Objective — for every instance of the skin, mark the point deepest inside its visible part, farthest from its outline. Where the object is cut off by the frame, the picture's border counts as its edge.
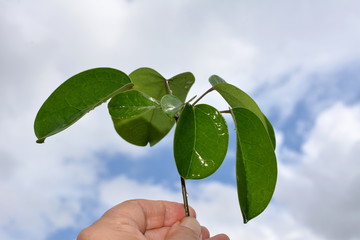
(147, 220)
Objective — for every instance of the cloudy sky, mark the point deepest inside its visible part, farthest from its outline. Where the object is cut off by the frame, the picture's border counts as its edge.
(300, 60)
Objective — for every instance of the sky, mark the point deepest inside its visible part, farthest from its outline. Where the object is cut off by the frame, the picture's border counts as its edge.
(300, 60)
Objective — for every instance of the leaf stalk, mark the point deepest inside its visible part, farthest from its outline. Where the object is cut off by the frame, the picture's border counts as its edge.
(225, 111)
(208, 91)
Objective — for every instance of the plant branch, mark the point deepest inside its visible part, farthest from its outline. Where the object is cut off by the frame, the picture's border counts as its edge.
(184, 193)
(208, 91)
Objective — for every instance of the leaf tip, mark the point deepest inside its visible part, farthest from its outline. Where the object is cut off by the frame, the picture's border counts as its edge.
(40, 140)
(215, 79)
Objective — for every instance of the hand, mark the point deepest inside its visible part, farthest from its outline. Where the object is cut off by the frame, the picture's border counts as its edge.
(147, 220)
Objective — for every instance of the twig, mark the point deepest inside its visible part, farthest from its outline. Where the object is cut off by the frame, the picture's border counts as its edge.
(184, 193)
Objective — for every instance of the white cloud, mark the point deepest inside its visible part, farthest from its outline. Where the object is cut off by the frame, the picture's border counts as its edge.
(321, 189)
(122, 188)
(218, 209)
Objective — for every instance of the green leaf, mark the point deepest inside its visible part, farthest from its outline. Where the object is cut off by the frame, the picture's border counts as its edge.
(181, 84)
(238, 98)
(150, 82)
(152, 126)
(153, 84)
(149, 127)
(171, 105)
(77, 96)
(256, 169)
(130, 104)
(200, 141)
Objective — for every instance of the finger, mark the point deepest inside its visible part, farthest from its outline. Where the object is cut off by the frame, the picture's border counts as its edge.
(220, 237)
(205, 233)
(189, 229)
(160, 233)
(147, 214)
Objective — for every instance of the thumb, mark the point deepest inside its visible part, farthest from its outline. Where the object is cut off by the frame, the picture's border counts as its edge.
(189, 229)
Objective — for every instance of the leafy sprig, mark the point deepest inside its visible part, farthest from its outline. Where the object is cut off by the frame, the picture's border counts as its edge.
(144, 106)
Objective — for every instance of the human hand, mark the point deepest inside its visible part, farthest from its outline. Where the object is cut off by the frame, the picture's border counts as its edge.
(147, 220)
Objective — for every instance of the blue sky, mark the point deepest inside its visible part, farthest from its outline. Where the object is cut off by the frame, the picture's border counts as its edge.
(300, 60)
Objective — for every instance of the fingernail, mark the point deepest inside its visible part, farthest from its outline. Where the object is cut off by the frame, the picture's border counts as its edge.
(191, 223)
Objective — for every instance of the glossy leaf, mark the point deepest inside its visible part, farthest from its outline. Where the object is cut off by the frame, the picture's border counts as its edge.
(256, 169)
(238, 98)
(200, 141)
(171, 105)
(77, 96)
(152, 126)
(130, 104)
